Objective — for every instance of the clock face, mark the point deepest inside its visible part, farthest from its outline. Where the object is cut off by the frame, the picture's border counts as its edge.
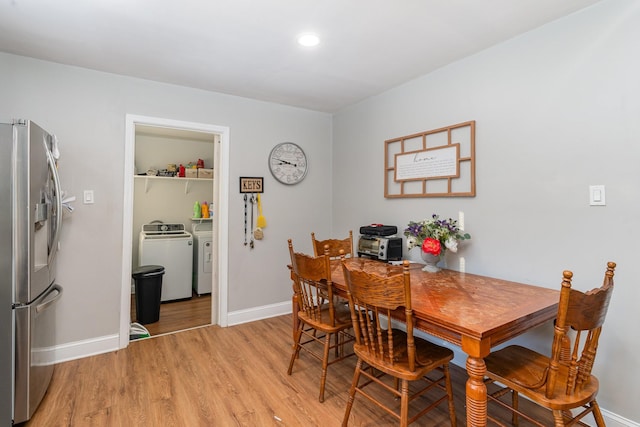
(288, 163)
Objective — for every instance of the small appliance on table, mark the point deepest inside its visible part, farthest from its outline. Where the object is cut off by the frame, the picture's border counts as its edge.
(378, 241)
(170, 246)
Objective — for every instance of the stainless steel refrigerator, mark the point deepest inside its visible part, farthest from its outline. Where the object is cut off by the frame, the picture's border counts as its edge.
(30, 225)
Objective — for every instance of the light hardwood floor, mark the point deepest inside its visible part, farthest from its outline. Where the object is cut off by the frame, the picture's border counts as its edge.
(179, 315)
(212, 376)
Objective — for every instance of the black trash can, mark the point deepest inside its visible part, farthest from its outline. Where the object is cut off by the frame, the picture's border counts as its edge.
(148, 288)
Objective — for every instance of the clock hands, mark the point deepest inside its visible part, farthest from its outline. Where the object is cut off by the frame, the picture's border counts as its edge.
(284, 162)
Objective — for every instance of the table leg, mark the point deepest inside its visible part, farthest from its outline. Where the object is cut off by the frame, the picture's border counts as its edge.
(476, 392)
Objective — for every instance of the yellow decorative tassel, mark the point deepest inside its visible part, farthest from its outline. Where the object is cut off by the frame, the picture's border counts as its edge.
(261, 222)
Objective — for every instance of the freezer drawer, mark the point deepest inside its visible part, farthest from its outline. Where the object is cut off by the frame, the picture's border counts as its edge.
(34, 337)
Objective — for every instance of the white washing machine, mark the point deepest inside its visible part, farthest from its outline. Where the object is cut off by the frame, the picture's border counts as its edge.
(170, 246)
(203, 257)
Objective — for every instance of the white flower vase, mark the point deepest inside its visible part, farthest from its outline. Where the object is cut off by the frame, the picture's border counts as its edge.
(431, 262)
(414, 255)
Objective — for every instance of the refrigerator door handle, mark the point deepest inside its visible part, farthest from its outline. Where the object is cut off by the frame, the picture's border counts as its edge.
(58, 201)
(55, 288)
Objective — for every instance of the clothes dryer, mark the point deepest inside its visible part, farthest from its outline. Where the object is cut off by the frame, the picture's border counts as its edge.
(203, 257)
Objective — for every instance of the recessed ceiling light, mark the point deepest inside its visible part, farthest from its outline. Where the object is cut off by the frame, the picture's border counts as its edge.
(308, 39)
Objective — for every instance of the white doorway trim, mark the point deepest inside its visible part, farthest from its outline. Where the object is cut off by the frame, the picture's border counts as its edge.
(222, 213)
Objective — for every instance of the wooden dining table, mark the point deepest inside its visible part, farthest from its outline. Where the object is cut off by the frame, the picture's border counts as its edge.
(471, 311)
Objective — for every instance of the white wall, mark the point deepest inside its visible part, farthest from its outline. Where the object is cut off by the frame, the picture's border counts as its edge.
(556, 111)
(87, 110)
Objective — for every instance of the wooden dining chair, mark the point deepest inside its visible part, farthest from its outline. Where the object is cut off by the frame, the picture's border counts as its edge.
(386, 355)
(320, 315)
(335, 246)
(562, 382)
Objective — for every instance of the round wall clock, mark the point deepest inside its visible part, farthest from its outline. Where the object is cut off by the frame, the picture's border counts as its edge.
(288, 163)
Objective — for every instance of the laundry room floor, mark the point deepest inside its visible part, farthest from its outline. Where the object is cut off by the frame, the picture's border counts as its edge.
(179, 315)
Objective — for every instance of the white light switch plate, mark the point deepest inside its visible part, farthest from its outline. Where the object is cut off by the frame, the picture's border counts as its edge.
(596, 195)
(88, 197)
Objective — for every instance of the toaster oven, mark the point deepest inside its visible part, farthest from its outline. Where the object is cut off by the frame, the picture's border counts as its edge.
(382, 248)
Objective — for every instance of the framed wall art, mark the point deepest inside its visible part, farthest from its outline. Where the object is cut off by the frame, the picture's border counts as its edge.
(434, 163)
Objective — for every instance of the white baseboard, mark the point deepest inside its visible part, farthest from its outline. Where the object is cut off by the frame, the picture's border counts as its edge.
(258, 313)
(615, 420)
(86, 348)
(107, 343)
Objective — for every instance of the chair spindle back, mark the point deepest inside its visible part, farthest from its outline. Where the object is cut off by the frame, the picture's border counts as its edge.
(373, 296)
(335, 246)
(313, 286)
(584, 313)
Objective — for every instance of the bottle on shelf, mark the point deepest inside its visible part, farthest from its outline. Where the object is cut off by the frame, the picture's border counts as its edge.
(197, 210)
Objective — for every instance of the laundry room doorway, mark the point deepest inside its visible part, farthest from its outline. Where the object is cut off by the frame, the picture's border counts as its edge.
(161, 204)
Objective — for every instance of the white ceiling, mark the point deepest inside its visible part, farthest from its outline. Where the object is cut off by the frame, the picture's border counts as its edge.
(248, 47)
